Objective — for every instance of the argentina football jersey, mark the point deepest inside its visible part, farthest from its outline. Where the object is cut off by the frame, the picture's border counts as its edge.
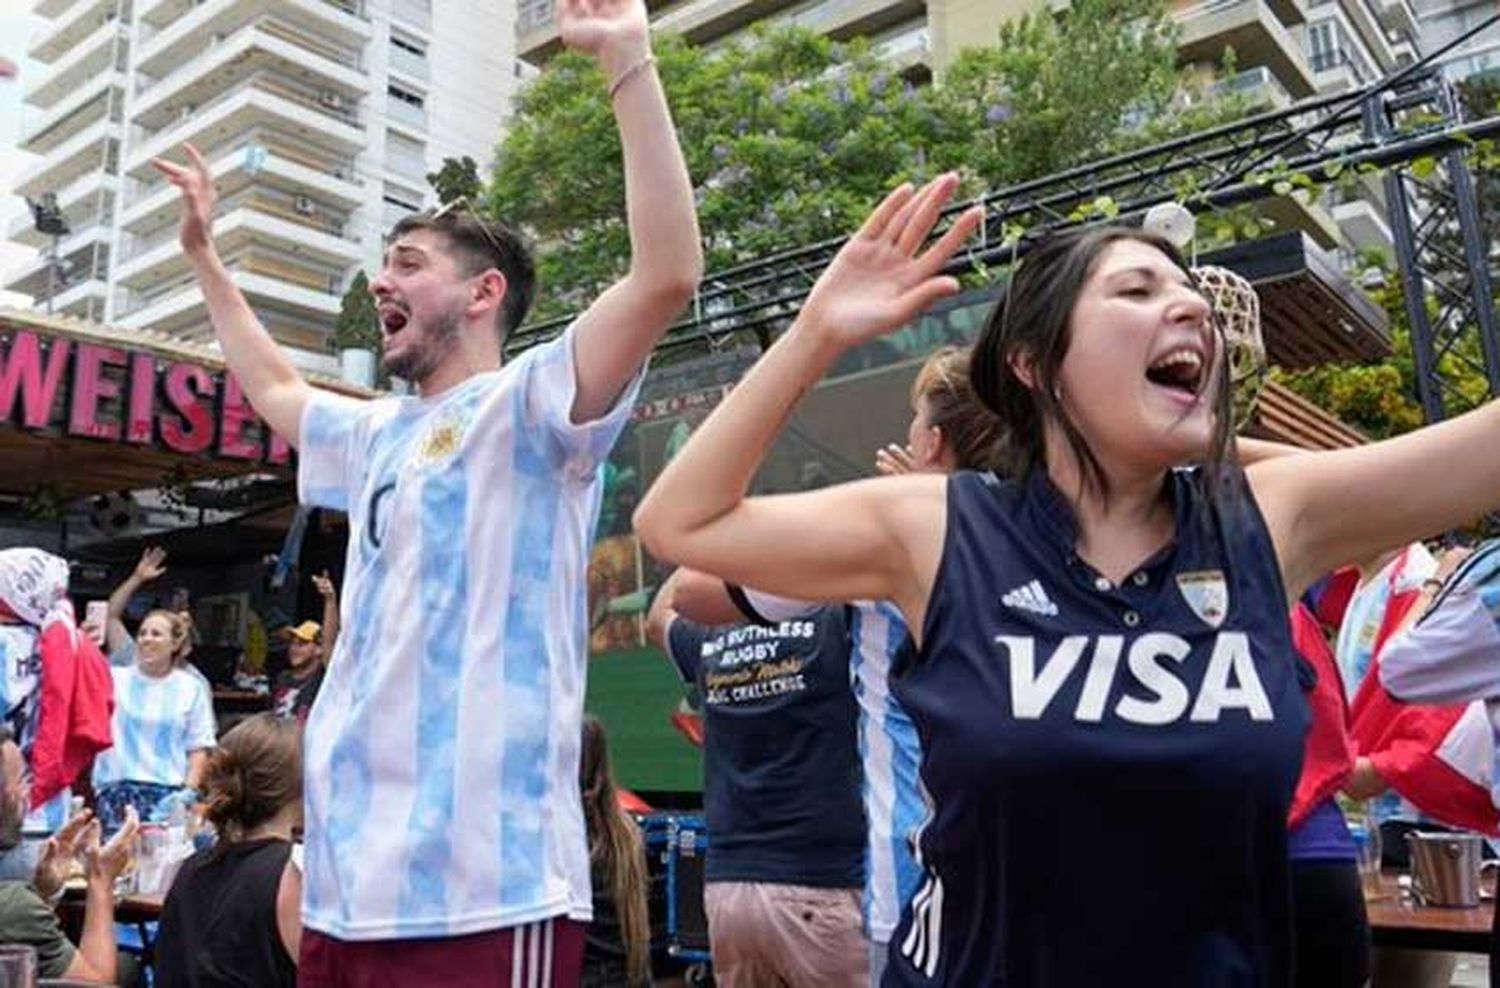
(156, 722)
(1108, 766)
(441, 759)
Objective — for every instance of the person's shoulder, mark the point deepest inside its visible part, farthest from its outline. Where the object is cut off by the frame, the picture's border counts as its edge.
(188, 683)
(188, 673)
(18, 899)
(980, 483)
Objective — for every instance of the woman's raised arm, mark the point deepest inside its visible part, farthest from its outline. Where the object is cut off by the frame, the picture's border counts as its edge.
(852, 541)
(1343, 506)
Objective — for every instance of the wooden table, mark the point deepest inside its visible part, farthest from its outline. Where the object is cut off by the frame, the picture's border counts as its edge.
(1397, 921)
(136, 908)
(141, 908)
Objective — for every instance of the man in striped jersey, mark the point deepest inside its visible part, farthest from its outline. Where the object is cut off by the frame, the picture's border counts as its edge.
(445, 833)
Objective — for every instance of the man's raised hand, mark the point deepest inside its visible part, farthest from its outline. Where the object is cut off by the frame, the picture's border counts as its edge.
(198, 197)
(616, 32)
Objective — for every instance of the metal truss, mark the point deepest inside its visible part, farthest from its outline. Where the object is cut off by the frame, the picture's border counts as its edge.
(1444, 260)
(1408, 118)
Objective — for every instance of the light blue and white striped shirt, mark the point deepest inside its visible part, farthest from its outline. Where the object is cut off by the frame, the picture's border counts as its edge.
(441, 759)
(158, 720)
(889, 750)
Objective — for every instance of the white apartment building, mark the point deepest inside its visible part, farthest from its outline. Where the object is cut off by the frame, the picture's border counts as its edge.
(319, 118)
(1443, 21)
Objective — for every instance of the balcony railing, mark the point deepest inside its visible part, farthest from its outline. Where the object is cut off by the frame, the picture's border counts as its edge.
(261, 201)
(269, 85)
(138, 190)
(408, 62)
(1259, 81)
(533, 14)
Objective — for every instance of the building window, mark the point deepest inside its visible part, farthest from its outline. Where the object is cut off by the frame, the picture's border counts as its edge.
(406, 157)
(533, 14)
(403, 95)
(407, 46)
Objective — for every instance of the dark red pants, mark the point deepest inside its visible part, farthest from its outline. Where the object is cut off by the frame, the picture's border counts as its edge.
(548, 954)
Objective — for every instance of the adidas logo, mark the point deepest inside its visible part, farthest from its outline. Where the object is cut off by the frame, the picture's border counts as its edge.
(1031, 597)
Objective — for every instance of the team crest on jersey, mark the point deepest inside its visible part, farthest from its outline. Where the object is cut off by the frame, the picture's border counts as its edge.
(442, 441)
(1207, 593)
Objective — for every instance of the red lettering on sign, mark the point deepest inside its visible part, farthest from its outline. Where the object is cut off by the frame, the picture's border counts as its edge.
(191, 430)
(236, 413)
(23, 372)
(90, 384)
(281, 450)
(140, 417)
(112, 394)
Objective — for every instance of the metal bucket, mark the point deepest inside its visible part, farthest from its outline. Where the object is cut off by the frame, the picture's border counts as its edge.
(1445, 868)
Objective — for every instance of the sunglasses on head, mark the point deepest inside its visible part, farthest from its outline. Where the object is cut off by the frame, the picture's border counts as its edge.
(461, 207)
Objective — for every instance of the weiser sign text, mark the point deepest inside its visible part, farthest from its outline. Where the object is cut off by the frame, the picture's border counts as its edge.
(58, 385)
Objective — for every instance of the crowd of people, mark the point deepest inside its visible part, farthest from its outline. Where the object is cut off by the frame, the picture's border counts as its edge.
(1066, 696)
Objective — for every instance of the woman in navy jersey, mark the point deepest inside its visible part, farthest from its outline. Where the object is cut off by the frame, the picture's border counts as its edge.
(1104, 682)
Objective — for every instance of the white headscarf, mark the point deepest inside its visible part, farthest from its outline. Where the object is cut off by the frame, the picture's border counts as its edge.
(34, 585)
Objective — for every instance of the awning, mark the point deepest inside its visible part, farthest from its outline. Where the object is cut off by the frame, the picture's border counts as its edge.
(86, 409)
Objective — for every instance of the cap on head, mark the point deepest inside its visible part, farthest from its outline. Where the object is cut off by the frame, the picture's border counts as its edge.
(307, 631)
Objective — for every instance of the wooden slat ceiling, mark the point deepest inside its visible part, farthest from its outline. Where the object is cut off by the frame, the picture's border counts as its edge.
(83, 467)
(1287, 417)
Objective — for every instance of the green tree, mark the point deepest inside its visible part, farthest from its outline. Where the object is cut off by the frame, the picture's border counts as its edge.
(458, 178)
(1055, 90)
(790, 137)
(357, 326)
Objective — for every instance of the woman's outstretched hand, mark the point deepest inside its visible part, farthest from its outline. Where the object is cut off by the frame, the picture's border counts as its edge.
(881, 279)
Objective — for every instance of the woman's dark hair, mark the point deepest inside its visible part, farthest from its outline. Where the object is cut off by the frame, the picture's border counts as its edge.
(1032, 321)
(256, 770)
(616, 850)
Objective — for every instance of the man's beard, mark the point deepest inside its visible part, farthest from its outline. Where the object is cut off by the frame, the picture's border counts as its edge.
(422, 355)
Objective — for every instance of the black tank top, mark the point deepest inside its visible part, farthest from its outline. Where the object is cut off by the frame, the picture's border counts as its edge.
(218, 925)
(1108, 767)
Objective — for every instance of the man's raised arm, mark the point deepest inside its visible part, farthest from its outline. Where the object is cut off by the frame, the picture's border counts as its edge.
(616, 335)
(275, 389)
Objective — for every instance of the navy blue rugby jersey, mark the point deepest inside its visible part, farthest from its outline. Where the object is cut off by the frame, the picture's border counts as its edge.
(781, 775)
(1108, 768)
